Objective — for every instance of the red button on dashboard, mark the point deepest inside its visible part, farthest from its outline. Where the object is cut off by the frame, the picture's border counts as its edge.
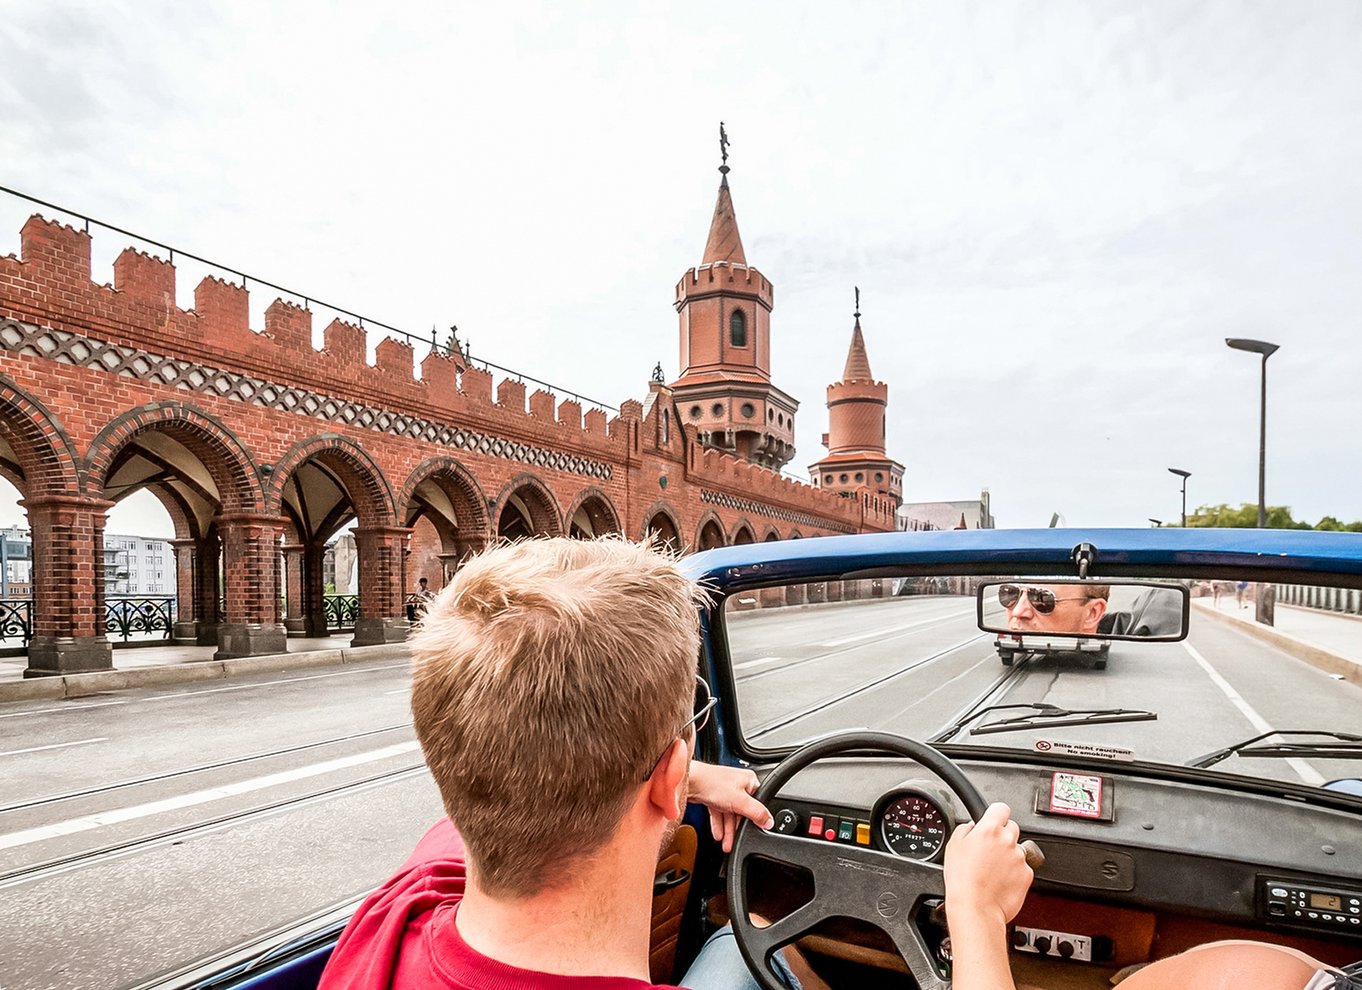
(816, 825)
(830, 834)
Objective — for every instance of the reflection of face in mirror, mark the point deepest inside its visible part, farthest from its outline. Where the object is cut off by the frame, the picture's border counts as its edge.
(1065, 608)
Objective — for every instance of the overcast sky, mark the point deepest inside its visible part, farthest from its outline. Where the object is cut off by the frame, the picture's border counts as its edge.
(1056, 211)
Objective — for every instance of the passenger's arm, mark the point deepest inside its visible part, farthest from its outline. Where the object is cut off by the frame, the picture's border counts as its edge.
(727, 793)
(986, 882)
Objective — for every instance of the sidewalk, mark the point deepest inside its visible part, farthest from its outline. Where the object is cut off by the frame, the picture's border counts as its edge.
(1331, 641)
(152, 666)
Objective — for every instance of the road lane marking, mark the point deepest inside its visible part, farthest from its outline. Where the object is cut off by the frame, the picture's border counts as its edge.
(752, 663)
(894, 629)
(401, 690)
(71, 708)
(115, 816)
(1307, 773)
(39, 749)
(257, 684)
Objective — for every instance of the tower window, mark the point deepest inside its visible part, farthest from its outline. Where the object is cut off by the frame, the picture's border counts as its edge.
(860, 476)
(748, 410)
(718, 409)
(737, 328)
(694, 412)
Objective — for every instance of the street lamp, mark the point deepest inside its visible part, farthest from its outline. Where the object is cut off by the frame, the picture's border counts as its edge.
(1184, 475)
(1266, 350)
(1156, 522)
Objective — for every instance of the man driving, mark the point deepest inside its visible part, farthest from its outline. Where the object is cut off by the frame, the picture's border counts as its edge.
(1061, 608)
(554, 696)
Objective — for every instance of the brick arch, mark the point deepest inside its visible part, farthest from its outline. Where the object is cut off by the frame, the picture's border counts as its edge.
(181, 515)
(472, 532)
(46, 456)
(545, 517)
(772, 535)
(370, 495)
(217, 448)
(796, 534)
(742, 527)
(604, 517)
(715, 525)
(662, 510)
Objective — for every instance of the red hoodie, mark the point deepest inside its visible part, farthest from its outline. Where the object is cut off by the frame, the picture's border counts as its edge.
(404, 937)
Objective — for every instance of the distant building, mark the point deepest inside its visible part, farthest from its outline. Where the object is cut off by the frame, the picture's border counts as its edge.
(340, 565)
(16, 548)
(133, 565)
(138, 565)
(971, 514)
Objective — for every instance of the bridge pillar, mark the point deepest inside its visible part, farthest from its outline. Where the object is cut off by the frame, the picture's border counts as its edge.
(382, 574)
(208, 587)
(314, 589)
(295, 621)
(185, 631)
(250, 546)
(68, 586)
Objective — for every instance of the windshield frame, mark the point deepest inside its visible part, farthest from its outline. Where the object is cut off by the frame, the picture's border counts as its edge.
(736, 574)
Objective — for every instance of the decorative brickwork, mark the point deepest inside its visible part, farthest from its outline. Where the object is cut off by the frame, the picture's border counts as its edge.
(263, 448)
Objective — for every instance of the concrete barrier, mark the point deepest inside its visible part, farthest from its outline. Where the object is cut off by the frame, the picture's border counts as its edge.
(1315, 656)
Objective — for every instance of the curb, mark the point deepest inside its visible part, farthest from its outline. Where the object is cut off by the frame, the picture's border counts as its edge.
(190, 671)
(1315, 656)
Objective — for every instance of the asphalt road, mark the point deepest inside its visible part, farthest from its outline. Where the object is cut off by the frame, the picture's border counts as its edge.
(141, 830)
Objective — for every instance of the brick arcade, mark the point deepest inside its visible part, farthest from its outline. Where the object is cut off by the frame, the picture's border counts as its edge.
(261, 448)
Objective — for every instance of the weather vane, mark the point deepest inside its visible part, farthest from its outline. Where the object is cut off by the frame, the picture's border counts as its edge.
(857, 314)
(658, 376)
(723, 147)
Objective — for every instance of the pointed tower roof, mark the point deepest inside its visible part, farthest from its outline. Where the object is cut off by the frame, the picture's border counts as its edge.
(724, 244)
(858, 364)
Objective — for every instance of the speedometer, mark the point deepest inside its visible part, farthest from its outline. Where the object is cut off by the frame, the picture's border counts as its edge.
(913, 827)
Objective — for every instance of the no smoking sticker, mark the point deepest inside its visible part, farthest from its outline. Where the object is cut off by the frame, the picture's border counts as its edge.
(1076, 794)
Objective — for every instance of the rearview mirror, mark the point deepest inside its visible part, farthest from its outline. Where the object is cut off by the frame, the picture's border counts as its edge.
(1085, 609)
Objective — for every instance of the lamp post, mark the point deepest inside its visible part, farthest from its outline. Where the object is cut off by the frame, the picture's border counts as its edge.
(1266, 350)
(1184, 475)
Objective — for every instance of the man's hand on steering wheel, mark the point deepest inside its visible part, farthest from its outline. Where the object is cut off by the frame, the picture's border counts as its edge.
(727, 793)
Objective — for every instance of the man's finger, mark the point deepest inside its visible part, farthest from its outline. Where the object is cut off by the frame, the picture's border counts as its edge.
(750, 807)
(716, 825)
(730, 826)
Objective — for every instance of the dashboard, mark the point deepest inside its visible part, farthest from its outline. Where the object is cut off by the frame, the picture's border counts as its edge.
(1115, 841)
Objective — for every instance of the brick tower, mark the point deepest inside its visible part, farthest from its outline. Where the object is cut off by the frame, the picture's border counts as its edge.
(724, 395)
(856, 460)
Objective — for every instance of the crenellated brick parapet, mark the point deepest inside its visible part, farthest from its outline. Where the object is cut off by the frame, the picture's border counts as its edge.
(245, 424)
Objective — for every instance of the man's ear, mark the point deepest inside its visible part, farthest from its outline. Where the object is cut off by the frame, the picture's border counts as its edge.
(666, 787)
(1095, 608)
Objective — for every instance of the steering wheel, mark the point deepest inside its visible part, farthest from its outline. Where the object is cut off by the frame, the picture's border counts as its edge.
(849, 881)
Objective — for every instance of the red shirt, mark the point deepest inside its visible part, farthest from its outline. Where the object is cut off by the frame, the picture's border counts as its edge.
(403, 936)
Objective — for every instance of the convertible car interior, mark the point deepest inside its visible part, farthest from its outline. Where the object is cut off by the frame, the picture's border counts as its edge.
(1202, 785)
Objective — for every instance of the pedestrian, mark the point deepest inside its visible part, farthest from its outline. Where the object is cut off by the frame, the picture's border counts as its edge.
(419, 600)
(1239, 588)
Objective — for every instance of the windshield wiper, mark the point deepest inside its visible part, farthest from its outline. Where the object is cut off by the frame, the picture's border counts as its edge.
(1042, 716)
(1341, 746)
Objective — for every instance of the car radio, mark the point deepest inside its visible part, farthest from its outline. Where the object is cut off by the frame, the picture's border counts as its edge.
(1327, 907)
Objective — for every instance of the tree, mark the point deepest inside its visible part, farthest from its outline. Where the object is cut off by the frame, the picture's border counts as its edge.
(1245, 516)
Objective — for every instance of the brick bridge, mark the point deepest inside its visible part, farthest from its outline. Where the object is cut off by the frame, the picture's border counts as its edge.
(261, 448)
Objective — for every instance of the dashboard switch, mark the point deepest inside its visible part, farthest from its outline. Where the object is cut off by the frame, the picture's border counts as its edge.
(816, 825)
(1042, 944)
(863, 836)
(787, 821)
(846, 831)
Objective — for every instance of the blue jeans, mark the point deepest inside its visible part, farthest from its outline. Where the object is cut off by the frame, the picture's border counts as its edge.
(720, 966)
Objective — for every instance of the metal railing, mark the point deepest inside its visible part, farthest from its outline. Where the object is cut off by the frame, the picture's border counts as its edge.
(341, 611)
(16, 620)
(308, 300)
(1345, 600)
(141, 618)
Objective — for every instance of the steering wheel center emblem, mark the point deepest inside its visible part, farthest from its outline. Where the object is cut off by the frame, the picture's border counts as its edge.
(887, 904)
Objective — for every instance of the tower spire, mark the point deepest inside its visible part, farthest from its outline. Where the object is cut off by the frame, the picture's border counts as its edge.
(725, 243)
(857, 368)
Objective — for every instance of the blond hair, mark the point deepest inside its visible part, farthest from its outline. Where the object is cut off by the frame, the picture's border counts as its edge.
(548, 678)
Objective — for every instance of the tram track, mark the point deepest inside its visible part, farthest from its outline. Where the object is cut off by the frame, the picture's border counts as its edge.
(909, 630)
(201, 768)
(826, 703)
(90, 857)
